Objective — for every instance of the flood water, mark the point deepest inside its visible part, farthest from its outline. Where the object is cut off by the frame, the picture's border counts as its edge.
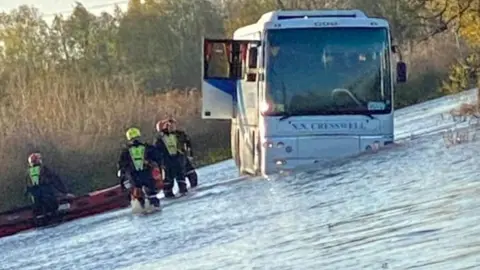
(413, 206)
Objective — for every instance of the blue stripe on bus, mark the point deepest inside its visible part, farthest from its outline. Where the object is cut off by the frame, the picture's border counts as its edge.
(234, 89)
(227, 86)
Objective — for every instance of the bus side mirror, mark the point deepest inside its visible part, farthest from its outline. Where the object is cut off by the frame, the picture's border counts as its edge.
(401, 72)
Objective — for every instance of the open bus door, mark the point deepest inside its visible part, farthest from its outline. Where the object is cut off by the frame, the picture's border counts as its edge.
(224, 63)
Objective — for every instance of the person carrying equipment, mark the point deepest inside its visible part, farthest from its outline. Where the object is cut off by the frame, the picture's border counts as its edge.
(140, 164)
(44, 186)
(186, 150)
(168, 144)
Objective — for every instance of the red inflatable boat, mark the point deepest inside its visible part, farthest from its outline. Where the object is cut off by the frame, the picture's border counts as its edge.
(21, 219)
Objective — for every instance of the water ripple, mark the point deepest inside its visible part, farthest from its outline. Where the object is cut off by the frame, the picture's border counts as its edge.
(412, 206)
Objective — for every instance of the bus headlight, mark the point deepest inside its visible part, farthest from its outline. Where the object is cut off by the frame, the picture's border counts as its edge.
(267, 144)
(280, 144)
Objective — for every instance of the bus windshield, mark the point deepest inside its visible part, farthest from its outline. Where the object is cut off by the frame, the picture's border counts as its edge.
(316, 71)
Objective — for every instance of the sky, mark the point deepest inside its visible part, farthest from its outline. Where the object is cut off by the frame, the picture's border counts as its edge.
(49, 7)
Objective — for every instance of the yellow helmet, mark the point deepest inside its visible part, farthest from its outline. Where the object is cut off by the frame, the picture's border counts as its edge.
(133, 133)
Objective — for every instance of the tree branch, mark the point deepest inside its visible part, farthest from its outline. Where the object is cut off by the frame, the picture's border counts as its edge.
(443, 25)
(280, 4)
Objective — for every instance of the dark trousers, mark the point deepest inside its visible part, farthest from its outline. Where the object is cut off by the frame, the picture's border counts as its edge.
(145, 180)
(175, 170)
(44, 199)
(191, 174)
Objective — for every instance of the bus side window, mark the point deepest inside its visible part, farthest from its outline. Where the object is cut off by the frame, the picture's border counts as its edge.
(251, 63)
(252, 57)
(223, 59)
(216, 60)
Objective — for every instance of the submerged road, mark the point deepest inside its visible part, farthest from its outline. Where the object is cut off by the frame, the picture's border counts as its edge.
(414, 206)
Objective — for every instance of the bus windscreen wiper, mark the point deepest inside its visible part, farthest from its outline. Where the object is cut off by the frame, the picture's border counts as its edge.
(369, 115)
(365, 113)
(359, 112)
(285, 116)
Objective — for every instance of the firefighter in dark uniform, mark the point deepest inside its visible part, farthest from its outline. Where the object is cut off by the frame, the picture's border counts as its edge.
(140, 164)
(186, 149)
(44, 186)
(167, 142)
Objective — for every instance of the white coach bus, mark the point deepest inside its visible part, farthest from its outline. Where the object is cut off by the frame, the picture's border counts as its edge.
(302, 87)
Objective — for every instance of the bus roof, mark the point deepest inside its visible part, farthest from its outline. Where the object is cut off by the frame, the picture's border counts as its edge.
(281, 15)
(285, 15)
